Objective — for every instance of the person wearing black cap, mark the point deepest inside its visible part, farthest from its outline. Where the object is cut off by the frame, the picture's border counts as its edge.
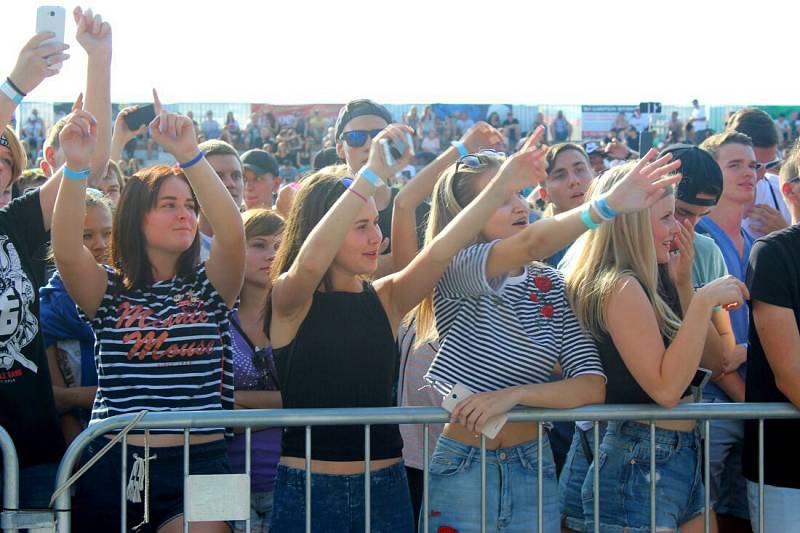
(260, 170)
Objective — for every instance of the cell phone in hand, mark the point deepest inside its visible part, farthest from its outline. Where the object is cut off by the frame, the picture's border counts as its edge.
(143, 115)
(394, 150)
(51, 18)
(460, 392)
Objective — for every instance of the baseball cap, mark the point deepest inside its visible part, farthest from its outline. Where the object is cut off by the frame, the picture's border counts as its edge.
(359, 108)
(701, 174)
(590, 147)
(324, 158)
(260, 162)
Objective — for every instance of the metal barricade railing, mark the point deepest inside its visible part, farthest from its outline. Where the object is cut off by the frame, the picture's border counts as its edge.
(414, 415)
(10, 482)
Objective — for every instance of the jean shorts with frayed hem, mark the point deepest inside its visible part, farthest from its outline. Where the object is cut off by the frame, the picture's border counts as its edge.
(624, 466)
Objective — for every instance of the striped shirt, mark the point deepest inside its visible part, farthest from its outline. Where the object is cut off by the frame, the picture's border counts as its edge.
(162, 348)
(505, 331)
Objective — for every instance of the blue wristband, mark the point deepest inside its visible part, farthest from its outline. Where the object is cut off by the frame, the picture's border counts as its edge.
(76, 174)
(462, 150)
(371, 177)
(605, 209)
(12, 93)
(587, 219)
(192, 161)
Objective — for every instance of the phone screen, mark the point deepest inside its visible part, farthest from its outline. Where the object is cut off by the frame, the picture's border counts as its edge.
(143, 115)
(645, 142)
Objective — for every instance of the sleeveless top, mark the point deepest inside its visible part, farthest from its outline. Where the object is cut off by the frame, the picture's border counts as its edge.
(344, 355)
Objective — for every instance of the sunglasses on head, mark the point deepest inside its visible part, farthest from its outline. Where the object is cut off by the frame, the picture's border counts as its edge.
(479, 159)
(357, 138)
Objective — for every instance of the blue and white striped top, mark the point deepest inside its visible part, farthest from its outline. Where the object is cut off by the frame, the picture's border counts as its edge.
(163, 348)
(506, 331)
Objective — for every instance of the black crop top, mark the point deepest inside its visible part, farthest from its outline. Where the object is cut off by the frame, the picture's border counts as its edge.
(621, 386)
(344, 355)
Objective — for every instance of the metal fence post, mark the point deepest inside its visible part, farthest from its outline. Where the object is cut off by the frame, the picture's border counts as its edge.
(540, 481)
(425, 479)
(10, 476)
(652, 475)
(483, 483)
(367, 487)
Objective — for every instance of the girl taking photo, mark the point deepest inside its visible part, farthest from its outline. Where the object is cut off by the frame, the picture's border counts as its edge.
(161, 318)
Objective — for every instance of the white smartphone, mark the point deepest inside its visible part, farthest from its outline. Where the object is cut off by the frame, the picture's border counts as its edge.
(460, 392)
(51, 18)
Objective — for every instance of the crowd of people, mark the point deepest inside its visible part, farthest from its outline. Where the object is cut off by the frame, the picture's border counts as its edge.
(531, 273)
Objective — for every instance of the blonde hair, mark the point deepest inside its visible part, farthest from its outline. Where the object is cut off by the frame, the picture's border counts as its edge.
(790, 168)
(619, 248)
(455, 189)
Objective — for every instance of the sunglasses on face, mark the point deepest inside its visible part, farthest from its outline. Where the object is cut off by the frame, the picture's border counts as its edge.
(357, 138)
(793, 180)
(769, 165)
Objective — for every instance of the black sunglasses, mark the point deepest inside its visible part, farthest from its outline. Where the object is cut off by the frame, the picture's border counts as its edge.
(357, 138)
(479, 159)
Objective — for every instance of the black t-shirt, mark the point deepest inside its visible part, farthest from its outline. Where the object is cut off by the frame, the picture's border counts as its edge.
(512, 133)
(773, 277)
(385, 220)
(27, 410)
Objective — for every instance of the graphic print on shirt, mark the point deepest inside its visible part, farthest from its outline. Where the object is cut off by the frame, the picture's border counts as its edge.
(18, 325)
(150, 345)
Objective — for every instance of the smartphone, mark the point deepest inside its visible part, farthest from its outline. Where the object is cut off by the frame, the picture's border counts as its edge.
(701, 378)
(51, 18)
(645, 142)
(143, 115)
(392, 151)
(460, 392)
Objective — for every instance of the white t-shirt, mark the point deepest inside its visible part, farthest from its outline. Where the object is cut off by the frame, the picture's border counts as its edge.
(768, 192)
(431, 145)
(640, 123)
(700, 123)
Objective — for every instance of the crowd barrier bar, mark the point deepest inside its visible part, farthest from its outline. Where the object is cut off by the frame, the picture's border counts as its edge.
(10, 482)
(410, 415)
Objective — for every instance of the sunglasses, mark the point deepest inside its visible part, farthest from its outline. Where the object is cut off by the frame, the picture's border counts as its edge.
(793, 180)
(357, 138)
(479, 159)
(769, 165)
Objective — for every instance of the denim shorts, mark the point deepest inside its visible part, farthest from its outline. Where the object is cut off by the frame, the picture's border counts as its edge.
(337, 502)
(260, 513)
(97, 499)
(512, 489)
(624, 464)
(573, 474)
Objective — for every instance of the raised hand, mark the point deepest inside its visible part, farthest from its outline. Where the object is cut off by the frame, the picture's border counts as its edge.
(78, 137)
(93, 34)
(399, 133)
(644, 185)
(526, 168)
(173, 132)
(481, 135)
(766, 219)
(122, 132)
(37, 61)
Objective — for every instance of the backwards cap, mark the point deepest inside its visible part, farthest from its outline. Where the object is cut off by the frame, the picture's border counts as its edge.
(701, 174)
(359, 108)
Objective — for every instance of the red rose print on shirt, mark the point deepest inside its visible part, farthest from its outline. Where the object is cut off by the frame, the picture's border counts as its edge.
(543, 283)
(533, 297)
(547, 310)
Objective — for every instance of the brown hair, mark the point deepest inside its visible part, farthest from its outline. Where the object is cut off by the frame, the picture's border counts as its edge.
(261, 222)
(128, 245)
(715, 142)
(20, 158)
(114, 168)
(756, 124)
(217, 147)
(557, 149)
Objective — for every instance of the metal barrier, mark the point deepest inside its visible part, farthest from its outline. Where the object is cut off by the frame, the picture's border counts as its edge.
(395, 415)
(10, 482)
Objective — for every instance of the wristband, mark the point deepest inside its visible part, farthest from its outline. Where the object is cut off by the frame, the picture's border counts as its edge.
(462, 150)
(76, 174)
(371, 177)
(716, 309)
(604, 209)
(586, 217)
(14, 86)
(11, 93)
(196, 159)
(356, 193)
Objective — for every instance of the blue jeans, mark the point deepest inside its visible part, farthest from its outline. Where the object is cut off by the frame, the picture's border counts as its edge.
(260, 513)
(728, 489)
(624, 466)
(570, 484)
(511, 488)
(781, 507)
(337, 502)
